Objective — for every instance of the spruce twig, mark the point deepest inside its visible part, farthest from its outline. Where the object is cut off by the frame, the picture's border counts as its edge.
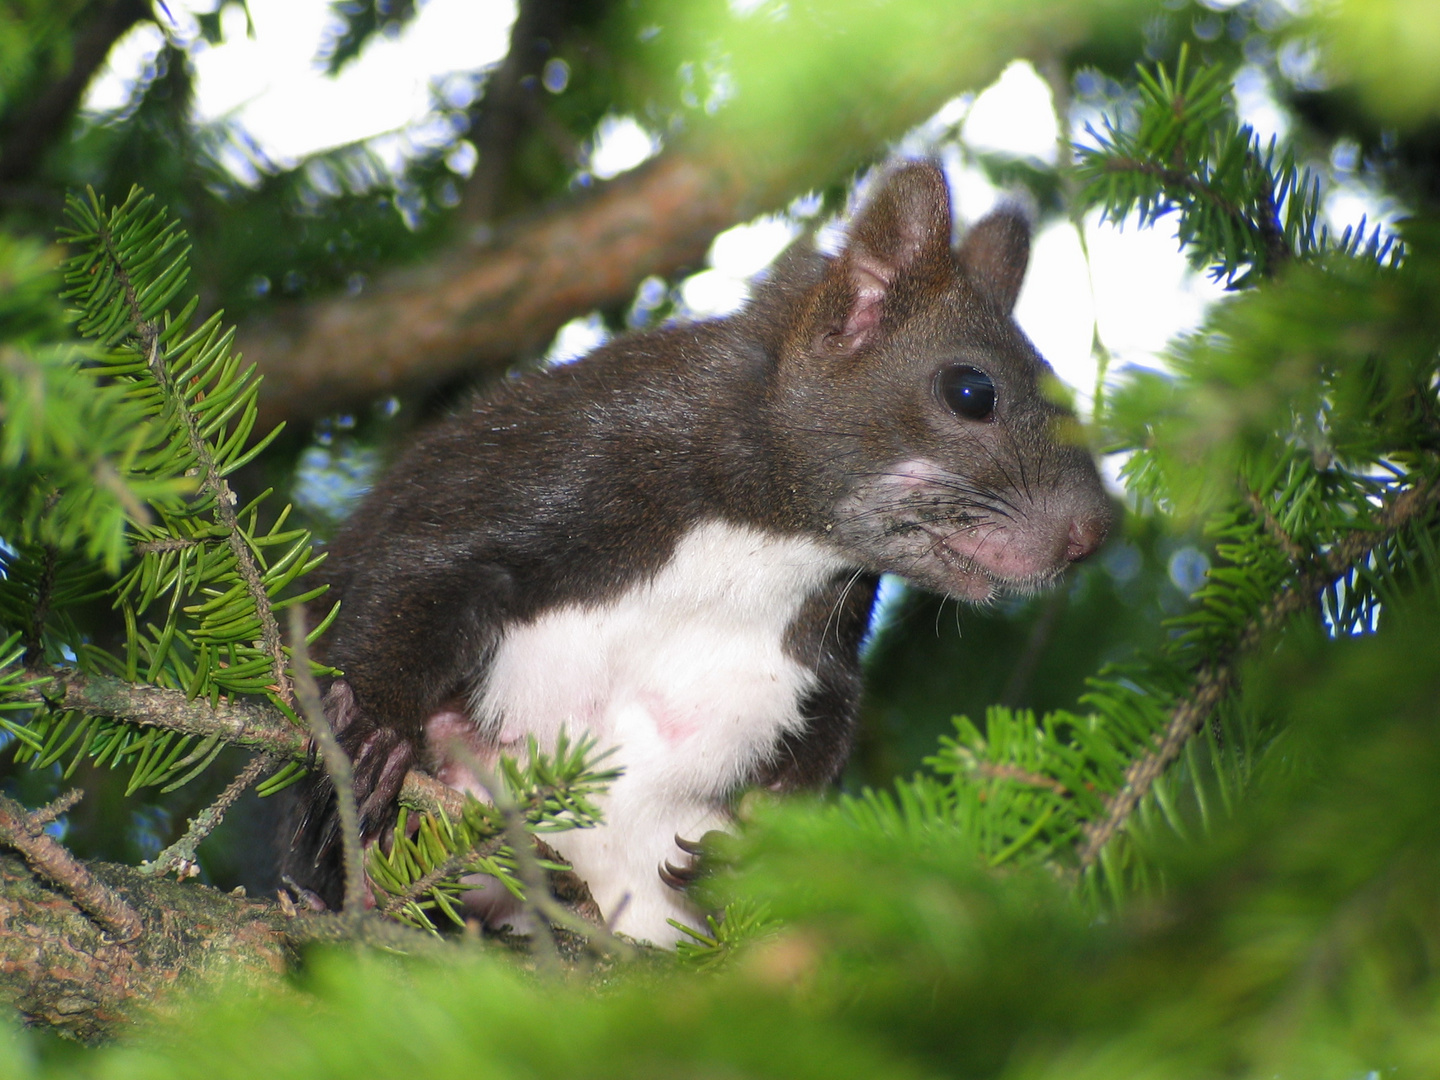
(180, 856)
(1283, 540)
(1215, 680)
(545, 911)
(254, 724)
(56, 808)
(240, 723)
(148, 332)
(532, 878)
(442, 872)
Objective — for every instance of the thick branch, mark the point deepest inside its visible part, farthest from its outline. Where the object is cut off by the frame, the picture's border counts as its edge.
(241, 723)
(60, 970)
(1215, 680)
(476, 308)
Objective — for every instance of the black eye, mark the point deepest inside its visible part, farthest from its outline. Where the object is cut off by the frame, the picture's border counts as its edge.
(966, 391)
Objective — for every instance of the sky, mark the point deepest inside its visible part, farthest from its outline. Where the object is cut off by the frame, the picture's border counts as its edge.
(1134, 292)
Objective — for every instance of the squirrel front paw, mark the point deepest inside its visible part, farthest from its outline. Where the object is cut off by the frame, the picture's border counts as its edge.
(705, 857)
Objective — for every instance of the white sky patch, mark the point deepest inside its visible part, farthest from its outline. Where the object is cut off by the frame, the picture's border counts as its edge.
(620, 145)
(1255, 104)
(736, 255)
(1015, 115)
(972, 195)
(1351, 202)
(710, 293)
(1137, 285)
(273, 85)
(576, 338)
(1056, 311)
(109, 91)
(747, 249)
(1145, 292)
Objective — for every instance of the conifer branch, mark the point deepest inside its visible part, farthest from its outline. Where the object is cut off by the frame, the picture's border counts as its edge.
(451, 868)
(1214, 681)
(49, 858)
(1276, 531)
(148, 332)
(240, 723)
(160, 547)
(253, 724)
(180, 856)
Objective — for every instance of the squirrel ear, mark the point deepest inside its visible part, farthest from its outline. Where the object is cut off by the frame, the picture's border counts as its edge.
(904, 224)
(994, 255)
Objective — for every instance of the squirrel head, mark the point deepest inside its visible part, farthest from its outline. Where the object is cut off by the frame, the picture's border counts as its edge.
(928, 427)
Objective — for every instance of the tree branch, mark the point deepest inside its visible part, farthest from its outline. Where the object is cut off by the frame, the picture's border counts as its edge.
(254, 724)
(1216, 679)
(50, 859)
(180, 856)
(476, 308)
(337, 766)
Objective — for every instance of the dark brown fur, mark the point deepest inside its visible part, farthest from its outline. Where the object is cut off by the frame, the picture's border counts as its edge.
(570, 485)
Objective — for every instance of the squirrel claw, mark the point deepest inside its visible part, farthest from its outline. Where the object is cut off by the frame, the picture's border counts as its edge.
(679, 878)
(690, 847)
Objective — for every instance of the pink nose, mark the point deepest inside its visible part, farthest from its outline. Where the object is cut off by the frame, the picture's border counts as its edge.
(1086, 534)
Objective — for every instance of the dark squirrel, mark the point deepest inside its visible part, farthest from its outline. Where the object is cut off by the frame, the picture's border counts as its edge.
(674, 542)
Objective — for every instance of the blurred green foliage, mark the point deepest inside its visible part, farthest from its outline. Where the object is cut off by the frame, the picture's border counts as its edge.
(1300, 940)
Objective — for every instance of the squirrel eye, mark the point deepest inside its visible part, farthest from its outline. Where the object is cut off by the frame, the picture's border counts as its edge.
(966, 391)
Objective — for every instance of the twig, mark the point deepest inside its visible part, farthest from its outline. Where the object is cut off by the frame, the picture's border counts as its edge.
(54, 809)
(545, 909)
(44, 590)
(537, 889)
(1275, 249)
(1276, 531)
(254, 724)
(160, 547)
(241, 723)
(1021, 776)
(345, 928)
(49, 858)
(148, 331)
(425, 793)
(337, 765)
(180, 856)
(1214, 680)
(446, 870)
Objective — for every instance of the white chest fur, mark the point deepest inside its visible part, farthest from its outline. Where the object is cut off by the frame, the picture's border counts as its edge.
(686, 676)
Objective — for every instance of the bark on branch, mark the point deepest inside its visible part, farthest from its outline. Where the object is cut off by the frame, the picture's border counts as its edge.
(476, 307)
